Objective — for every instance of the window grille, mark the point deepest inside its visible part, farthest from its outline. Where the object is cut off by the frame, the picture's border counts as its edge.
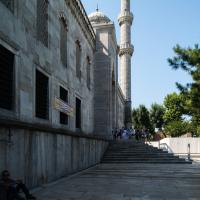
(42, 21)
(42, 95)
(88, 72)
(64, 97)
(6, 78)
(9, 4)
(63, 42)
(78, 59)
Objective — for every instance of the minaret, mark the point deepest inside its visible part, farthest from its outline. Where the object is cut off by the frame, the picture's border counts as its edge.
(126, 51)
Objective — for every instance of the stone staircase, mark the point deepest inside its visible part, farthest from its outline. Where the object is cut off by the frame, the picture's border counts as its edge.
(128, 171)
(138, 152)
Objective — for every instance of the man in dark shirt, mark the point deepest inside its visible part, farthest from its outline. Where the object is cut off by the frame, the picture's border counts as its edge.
(9, 189)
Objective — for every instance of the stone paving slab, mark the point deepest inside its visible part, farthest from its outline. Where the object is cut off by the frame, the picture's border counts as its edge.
(116, 182)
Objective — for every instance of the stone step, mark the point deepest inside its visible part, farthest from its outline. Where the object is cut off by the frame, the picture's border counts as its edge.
(130, 152)
(141, 173)
(136, 153)
(147, 162)
(132, 147)
(139, 147)
(143, 156)
(136, 150)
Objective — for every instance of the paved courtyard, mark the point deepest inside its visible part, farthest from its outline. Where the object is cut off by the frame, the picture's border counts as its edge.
(128, 182)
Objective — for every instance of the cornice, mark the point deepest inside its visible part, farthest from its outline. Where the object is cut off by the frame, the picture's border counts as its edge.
(51, 129)
(80, 14)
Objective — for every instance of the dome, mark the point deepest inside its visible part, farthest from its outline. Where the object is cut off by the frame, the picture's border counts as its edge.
(98, 17)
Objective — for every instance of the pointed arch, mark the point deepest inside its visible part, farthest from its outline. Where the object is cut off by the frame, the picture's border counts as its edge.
(63, 38)
(78, 58)
(63, 20)
(88, 71)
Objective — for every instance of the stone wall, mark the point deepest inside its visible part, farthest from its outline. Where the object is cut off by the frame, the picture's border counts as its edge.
(18, 34)
(42, 156)
(109, 107)
(120, 108)
(179, 146)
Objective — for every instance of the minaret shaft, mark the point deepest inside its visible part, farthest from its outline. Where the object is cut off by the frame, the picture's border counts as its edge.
(126, 50)
(125, 5)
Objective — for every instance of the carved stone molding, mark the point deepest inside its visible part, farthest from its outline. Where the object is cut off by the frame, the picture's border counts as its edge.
(63, 18)
(79, 13)
(124, 17)
(126, 49)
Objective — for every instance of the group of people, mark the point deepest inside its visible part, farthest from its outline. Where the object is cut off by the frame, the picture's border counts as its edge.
(142, 135)
(137, 134)
(122, 133)
(10, 189)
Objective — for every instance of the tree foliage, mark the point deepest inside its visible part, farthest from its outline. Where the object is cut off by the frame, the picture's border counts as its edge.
(178, 128)
(141, 118)
(175, 105)
(187, 102)
(188, 59)
(157, 115)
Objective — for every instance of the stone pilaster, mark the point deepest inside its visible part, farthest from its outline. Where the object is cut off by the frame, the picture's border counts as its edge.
(126, 51)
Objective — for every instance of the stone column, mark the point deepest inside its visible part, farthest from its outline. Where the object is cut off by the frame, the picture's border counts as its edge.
(126, 51)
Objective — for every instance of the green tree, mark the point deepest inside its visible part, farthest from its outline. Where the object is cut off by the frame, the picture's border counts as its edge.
(188, 59)
(178, 128)
(198, 131)
(174, 107)
(141, 118)
(156, 115)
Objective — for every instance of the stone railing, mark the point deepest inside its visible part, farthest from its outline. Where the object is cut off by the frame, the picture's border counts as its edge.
(183, 147)
(126, 48)
(125, 16)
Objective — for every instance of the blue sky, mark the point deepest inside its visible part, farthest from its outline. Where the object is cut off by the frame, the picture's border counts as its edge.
(158, 26)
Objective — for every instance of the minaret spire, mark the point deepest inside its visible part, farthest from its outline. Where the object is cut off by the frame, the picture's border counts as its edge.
(97, 6)
(126, 51)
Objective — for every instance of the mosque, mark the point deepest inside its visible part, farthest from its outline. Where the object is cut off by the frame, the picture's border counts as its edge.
(60, 92)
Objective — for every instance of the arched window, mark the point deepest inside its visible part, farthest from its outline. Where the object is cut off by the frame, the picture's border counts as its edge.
(63, 41)
(42, 21)
(78, 59)
(88, 72)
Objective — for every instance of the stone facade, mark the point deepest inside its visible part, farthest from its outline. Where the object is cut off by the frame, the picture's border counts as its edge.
(64, 99)
(106, 74)
(108, 98)
(18, 34)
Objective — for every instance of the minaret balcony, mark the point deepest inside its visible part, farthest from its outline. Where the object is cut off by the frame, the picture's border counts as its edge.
(126, 48)
(125, 16)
